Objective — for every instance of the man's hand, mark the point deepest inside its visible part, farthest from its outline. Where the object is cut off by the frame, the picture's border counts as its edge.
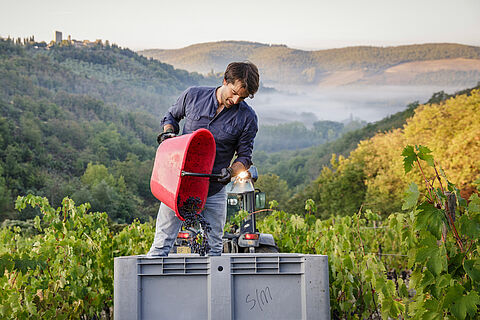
(226, 175)
(168, 133)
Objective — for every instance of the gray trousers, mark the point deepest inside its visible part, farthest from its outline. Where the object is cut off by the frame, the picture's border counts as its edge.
(168, 226)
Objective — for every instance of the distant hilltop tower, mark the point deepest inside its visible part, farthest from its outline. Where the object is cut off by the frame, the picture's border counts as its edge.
(58, 37)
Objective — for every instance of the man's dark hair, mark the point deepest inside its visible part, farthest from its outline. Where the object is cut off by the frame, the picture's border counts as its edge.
(246, 73)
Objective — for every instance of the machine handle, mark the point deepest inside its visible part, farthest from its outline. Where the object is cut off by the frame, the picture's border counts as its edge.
(202, 175)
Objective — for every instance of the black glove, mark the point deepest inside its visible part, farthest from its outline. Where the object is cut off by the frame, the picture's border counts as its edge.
(165, 135)
(226, 175)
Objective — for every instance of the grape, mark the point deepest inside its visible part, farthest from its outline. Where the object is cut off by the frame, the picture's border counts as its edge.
(189, 211)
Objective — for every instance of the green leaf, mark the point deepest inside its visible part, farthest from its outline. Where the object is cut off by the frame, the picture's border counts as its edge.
(412, 253)
(368, 275)
(427, 279)
(471, 302)
(443, 281)
(465, 304)
(37, 223)
(6, 262)
(423, 254)
(372, 216)
(432, 306)
(350, 277)
(20, 203)
(423, 153)
(432, 315)
(453, 294)
(417, 306)
(402, 288)
(437, 262)
(472, 268)
(429, 218)
(409, 158)
(469, 227)
(348, 263)
(474, 205)
(455, 264)
(411, 196)
(431, 255)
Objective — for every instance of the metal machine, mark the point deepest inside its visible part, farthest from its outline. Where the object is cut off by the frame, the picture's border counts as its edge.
(244, 238)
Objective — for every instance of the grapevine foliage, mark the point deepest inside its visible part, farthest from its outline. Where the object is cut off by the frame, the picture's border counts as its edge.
(422, 263)
(66, 271)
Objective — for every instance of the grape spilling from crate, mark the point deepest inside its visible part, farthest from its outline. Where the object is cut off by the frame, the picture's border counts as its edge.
(188, 210)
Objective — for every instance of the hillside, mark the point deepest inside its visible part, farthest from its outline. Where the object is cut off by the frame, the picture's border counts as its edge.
(299, 168)
(372, 174)
(433, 64)
(82, 122)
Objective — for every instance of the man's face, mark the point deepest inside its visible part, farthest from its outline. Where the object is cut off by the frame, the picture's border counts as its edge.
(233, 93)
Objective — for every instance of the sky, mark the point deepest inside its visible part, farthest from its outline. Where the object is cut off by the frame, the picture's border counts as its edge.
(301, 24)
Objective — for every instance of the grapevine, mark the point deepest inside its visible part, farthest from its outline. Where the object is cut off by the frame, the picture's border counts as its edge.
(421, 263)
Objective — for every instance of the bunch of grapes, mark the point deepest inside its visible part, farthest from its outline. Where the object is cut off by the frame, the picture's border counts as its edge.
(188, 210)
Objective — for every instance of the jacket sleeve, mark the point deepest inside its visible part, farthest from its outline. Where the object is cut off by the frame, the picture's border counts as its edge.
(176, 112)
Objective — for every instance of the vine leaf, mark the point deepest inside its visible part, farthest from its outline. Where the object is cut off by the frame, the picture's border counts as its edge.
(6, 262)
(409, 158)
(427, 279)
(411, 196)
(431, 255)
(466, 304)
(474, 205)
(437, 262)
(470, 227)
(424, 154)
(429, 218)
(452, 296)
(472, 268)
(433, 312)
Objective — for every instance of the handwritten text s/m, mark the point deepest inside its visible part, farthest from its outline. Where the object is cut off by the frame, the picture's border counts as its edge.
(261, 298)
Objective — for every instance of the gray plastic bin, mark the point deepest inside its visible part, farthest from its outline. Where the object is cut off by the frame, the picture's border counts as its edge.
(232, 286)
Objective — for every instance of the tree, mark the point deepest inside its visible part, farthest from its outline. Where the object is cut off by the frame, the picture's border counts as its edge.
(274, 187)
(96, 173)
(6, 202)
(340, 190)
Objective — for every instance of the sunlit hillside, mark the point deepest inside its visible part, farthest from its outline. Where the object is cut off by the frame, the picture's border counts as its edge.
(375, 168)
(425, 64)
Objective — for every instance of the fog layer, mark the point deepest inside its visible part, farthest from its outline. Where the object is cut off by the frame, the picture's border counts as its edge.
(309, 104)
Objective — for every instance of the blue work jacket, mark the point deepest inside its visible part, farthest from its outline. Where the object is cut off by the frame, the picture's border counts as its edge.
(234, 128)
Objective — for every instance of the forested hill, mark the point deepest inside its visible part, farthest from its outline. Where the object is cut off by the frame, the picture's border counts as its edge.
(298, 168)
(82, 122)
(367, 170)
(423, 64)
(104, 72)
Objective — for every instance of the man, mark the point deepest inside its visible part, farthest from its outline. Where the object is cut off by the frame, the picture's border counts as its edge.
(233, 124)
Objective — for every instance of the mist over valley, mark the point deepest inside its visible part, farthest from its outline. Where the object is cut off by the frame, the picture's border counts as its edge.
(308, 104)
(364, 83)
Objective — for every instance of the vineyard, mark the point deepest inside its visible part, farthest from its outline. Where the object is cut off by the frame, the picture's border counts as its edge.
(423, 263)
(402, 240)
